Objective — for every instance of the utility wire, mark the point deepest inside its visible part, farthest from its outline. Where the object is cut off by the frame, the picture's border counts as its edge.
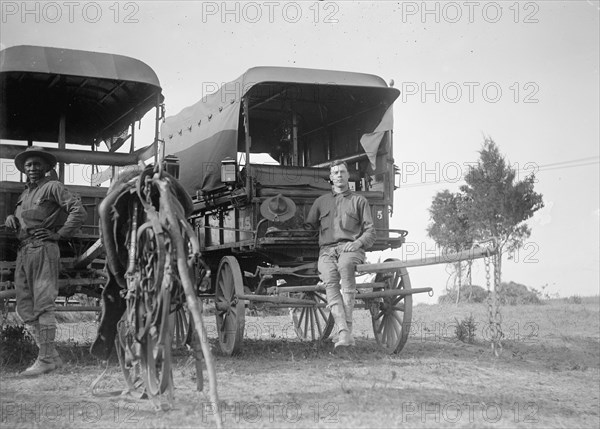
(536, 169)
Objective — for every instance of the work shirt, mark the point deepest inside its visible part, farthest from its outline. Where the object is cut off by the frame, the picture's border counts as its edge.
(342, 217)
(41, 205)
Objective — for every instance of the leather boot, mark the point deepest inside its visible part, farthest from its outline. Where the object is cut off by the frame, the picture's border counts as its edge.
(345, 337)
(336, 304)
(349, 298)
(48, 358)
(34, 330)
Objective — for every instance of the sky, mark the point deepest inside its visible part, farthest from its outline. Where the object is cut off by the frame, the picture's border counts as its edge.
(524, 73)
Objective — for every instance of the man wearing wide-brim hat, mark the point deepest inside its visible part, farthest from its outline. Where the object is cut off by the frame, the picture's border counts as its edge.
(37, 222)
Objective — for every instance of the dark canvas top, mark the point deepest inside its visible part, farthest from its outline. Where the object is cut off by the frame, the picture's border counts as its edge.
(204, 134)
(99, 94)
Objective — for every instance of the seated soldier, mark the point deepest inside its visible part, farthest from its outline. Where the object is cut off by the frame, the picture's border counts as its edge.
(346, 230)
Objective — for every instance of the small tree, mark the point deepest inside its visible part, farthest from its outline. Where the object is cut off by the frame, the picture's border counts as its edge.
(496, 204)
(492, 203)
(450, 228)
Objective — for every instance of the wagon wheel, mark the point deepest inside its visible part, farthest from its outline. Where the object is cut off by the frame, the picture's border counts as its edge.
(156, 352)
(181, 319)
(182, 324)
(153, 305)
(136, 321)
(133, 326)
(391, 316)
(151, 249)
(312, 323)
(150, 263)
(230, 309)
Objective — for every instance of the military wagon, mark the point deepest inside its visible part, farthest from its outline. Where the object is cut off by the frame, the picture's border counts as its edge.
(264, 142)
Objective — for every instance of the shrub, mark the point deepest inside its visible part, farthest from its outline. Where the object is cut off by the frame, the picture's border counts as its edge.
(16, 345)
(509, 294)
(517, 294)
(468, 293)
(465, 329)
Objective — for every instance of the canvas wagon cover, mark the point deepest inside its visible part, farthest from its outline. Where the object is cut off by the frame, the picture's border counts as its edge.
(204, 134)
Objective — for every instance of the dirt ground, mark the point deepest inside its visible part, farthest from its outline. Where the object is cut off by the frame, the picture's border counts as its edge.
(547, 376)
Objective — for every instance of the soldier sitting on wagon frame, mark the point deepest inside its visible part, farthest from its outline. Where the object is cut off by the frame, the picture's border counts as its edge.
(346, 230)
(37, 222)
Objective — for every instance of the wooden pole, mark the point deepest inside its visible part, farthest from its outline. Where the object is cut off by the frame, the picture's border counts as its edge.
(446, 258)
(62, 139)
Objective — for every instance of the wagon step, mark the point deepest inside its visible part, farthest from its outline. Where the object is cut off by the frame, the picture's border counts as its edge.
(430, 260)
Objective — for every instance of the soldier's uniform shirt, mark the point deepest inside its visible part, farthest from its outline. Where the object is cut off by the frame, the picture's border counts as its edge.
(342, 217)
(41, 205)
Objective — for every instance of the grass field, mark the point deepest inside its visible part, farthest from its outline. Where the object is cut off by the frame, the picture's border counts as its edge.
(548, 375)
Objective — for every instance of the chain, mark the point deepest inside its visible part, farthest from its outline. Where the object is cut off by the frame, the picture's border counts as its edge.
(497, 316)
(494, 317)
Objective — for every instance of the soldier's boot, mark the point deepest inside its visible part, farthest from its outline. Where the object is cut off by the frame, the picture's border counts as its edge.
(344, 337)
(335, 333)
(336, 304)
(48, 358)
(349, 298)
(34, 330)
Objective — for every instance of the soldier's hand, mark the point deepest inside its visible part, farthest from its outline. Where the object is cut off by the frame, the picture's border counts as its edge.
(351, 246)
(45, 234)
(12, 222)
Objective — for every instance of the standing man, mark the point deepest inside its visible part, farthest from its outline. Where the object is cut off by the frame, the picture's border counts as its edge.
(345, 231)
(37, 223)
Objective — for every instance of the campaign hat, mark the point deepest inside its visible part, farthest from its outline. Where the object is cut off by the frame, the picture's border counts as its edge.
(34, 151)
(278, 208)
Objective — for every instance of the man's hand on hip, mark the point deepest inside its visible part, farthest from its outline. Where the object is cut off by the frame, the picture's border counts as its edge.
(46, 235)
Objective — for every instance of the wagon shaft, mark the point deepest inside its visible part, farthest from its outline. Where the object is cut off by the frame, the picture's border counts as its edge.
(447, 258)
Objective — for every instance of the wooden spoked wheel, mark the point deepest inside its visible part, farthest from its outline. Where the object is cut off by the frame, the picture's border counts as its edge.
(391, 316)
(182, 324)
(312, 323)
(181, 318)
(156, 355)
(230, 310)
(153, 305)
